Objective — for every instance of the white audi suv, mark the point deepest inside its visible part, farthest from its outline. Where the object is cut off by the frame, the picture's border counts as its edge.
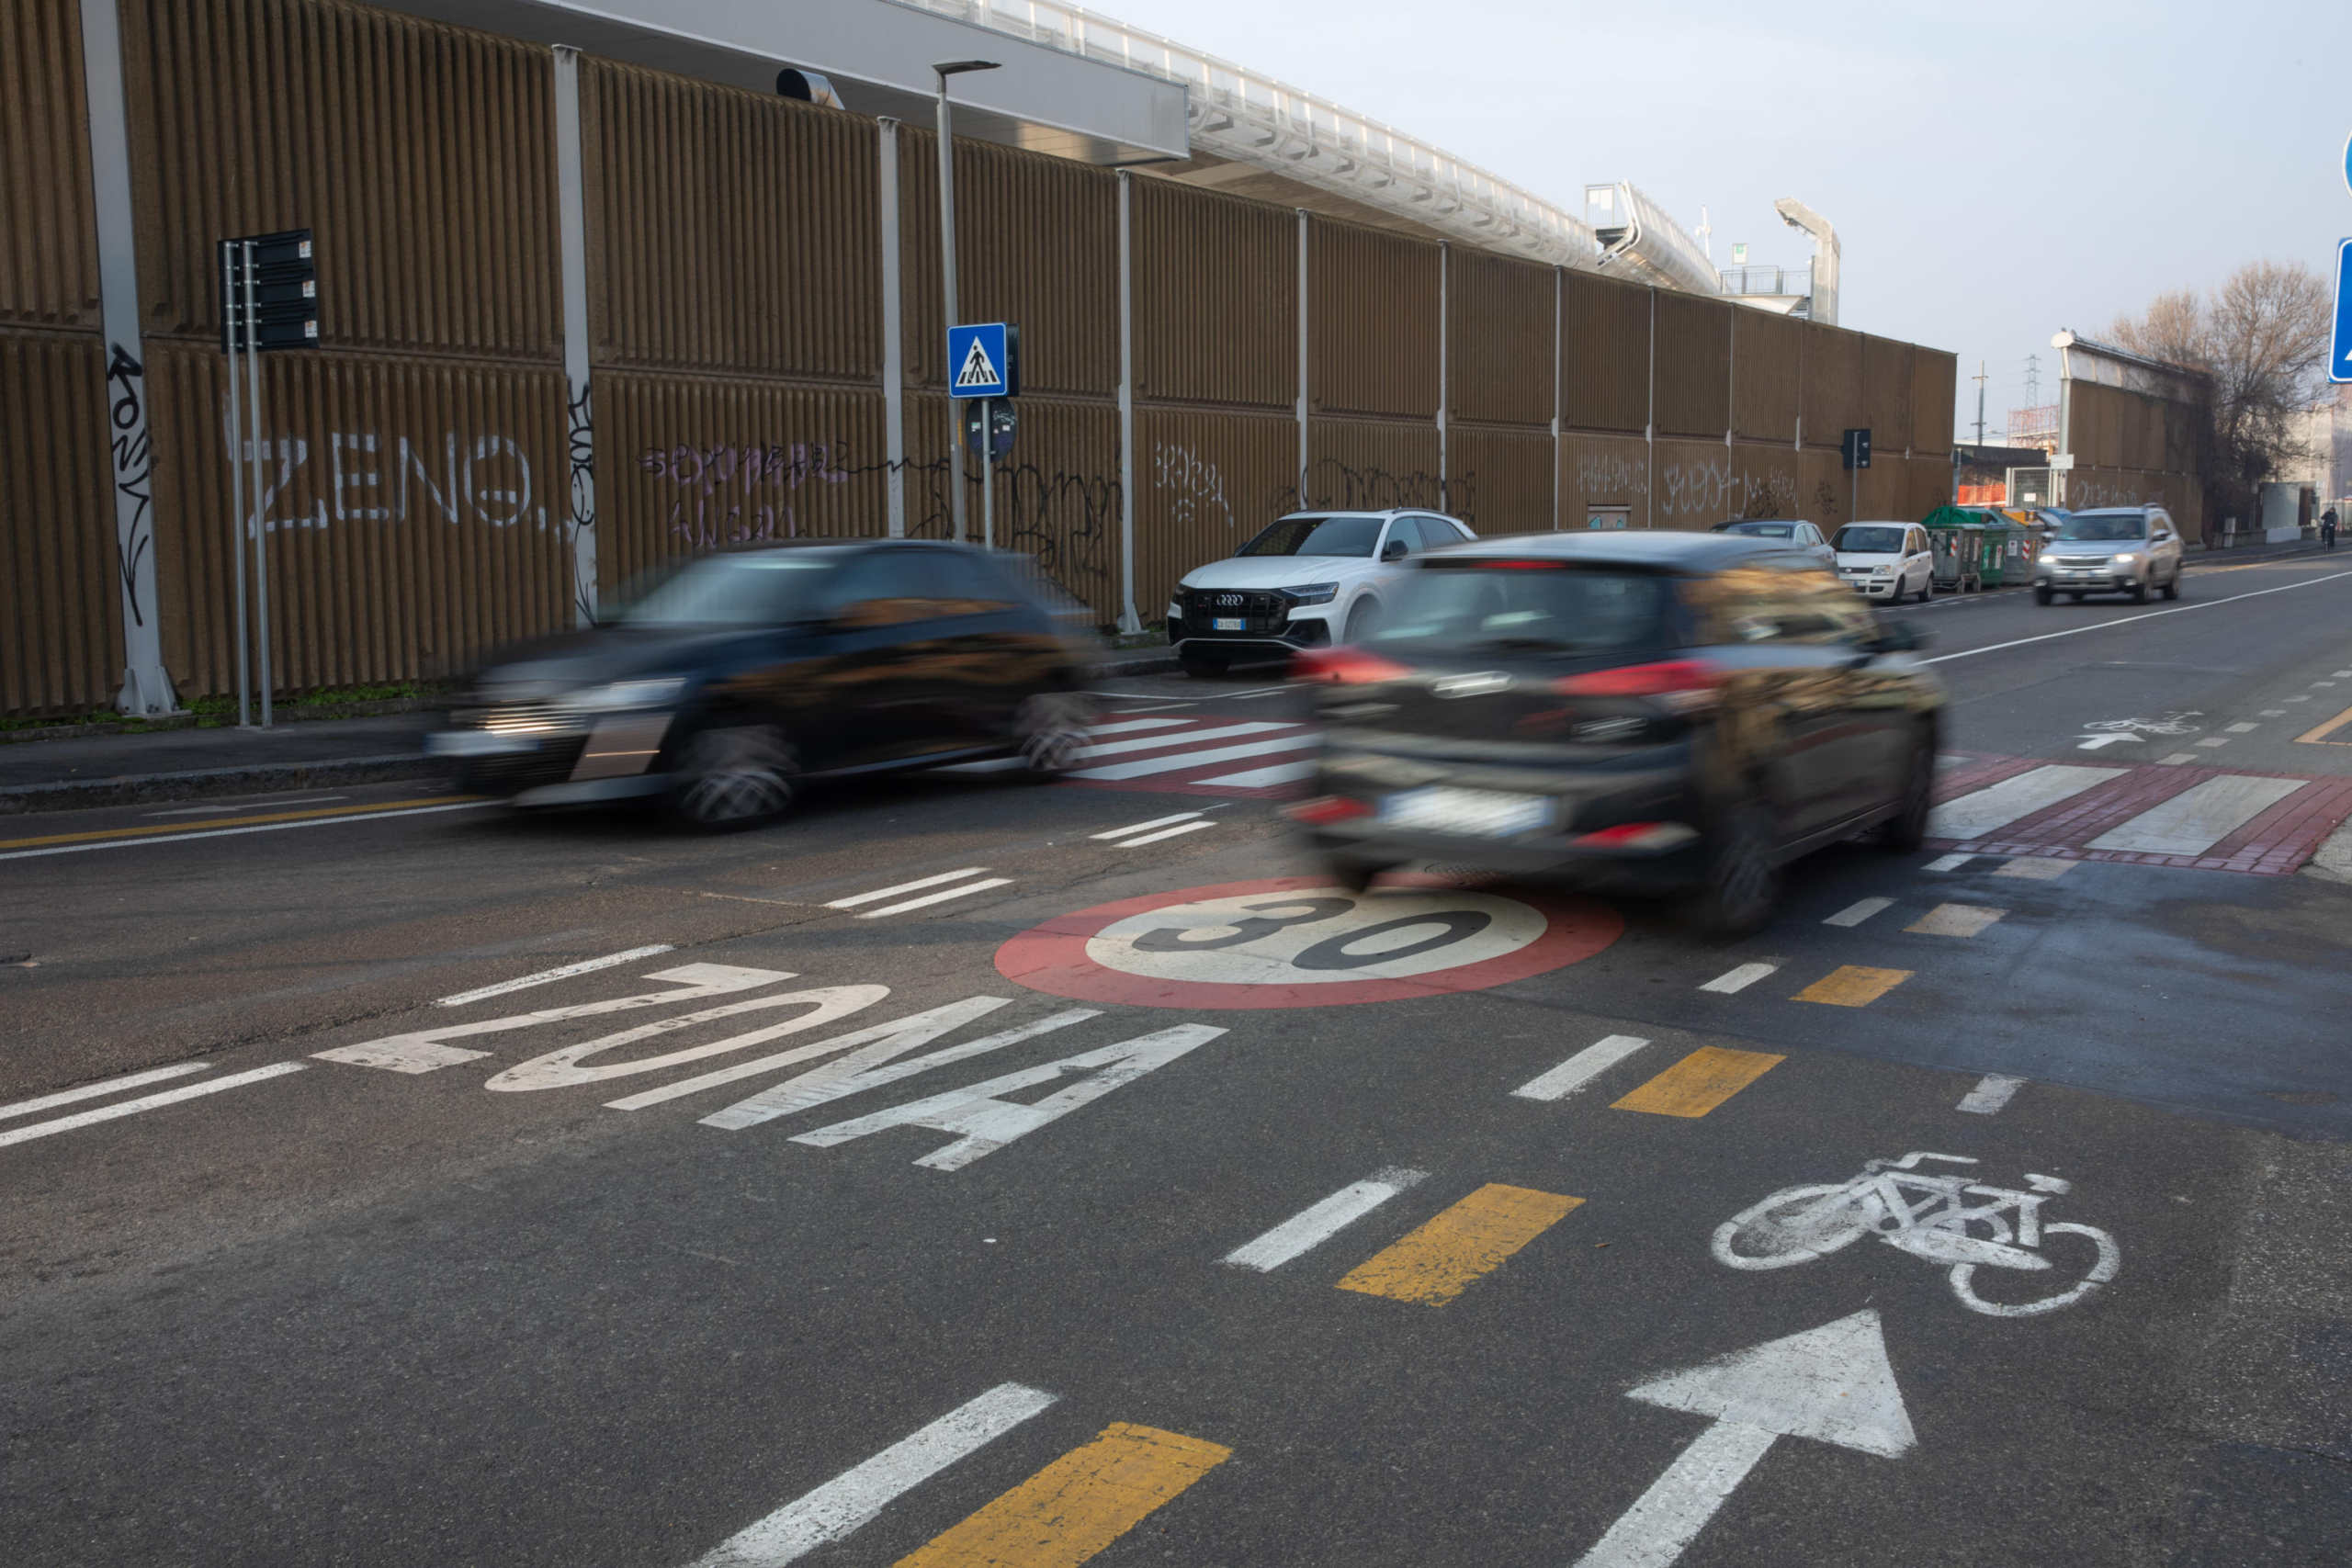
(1308, 580)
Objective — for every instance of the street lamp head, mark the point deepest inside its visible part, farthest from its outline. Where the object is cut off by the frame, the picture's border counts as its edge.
(947, 68)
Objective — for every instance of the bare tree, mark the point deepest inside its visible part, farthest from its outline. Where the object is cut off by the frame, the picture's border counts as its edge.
(2263, 339)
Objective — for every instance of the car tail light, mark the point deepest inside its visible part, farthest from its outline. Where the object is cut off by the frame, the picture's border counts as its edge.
(1636, 836)
(1343, 667)
(1686, 685)
(1328, 809)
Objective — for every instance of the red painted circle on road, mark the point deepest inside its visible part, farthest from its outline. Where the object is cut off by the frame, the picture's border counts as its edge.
(1135, 951)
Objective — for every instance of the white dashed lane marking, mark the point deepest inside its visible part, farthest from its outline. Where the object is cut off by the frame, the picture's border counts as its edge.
(1139, 833)
(1581, 1070)
(1946, 863)
(1992, 1092)
(1739, 979)
(97, 1090)
(545, 975)
(146, 1103)
(1855, 914)
(927, 899)
(1318, 1223)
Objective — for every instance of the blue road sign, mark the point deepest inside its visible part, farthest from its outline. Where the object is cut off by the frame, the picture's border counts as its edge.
(984, 360)
(2339, 357)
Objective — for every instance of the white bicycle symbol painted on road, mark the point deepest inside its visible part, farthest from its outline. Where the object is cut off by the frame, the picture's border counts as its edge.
(1928, 1216)
(2169, 724)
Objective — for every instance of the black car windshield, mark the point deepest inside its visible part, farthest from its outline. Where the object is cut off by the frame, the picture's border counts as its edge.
(1317, 536)
(1536, 609)
(758, 588)
(2091, 526)
(1768, 530)
(1870, 538)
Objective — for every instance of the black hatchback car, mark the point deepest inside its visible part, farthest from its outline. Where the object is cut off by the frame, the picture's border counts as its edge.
(1678, 713)
(744, 673)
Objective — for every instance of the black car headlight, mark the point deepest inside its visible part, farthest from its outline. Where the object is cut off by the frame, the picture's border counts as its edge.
(1312, 594)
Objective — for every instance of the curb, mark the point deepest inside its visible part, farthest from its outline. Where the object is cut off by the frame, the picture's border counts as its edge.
(1161, 664)
(140, 789)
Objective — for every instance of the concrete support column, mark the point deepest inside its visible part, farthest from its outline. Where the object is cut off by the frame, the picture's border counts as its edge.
(1559, 287)
(1649, 425)
(894, 345)
(146, 689)
(571, 235)
(1444, 276)
(1129, 620)
(1303, 364)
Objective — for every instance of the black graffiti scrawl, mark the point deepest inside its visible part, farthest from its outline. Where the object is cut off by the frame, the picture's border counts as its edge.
(134, 470)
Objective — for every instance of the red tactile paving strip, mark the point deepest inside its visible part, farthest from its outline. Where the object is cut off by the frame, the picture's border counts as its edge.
(2274, 843)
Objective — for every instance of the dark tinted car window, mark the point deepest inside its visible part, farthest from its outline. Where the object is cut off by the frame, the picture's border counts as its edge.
(1317, 536)
(1542, 609)
(884, 587)
(757, 587)
(1768, 530)
(2114, 526)
(1871, 538)
(1769, 602)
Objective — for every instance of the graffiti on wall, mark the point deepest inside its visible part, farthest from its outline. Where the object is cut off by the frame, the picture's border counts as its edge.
(369, 479)
(1195, 488)
(1329, 482)
(134, 473)
(732, 494)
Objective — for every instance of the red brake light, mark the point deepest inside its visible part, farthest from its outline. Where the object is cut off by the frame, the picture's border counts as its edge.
(1328, 809)
(1674, 675)
(1343, 667)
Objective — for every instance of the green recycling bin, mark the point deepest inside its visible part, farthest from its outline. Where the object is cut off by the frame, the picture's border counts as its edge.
(1954, 534)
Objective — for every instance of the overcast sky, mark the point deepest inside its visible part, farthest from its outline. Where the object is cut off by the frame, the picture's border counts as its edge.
(1996, 172)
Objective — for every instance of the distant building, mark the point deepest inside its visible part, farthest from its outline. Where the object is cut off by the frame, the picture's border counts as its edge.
(1981, 474)
(2326, 468)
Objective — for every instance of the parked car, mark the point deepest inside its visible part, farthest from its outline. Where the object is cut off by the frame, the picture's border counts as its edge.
(1656, 713)
(1800, 534)
(2111, 549)
(745, 672)
(1309, 579)
(1886, 561)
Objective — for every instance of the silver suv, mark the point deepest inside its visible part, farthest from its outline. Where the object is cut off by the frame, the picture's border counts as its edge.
(2114, 549)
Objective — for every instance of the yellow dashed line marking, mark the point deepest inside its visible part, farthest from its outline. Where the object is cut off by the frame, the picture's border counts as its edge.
(1700, 1082)
(2317, 734)
(1853, 986)
(1076, 1505)
(1442, 1259)
(1948, 920)
(232, 823)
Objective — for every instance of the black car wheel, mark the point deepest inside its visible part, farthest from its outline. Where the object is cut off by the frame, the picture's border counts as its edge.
(734, 775)
(1050, 730)
(1201, 666)
(2172, 585)
(1743, 875)
(2042, 596)
(1907, 829)
(2140, 594)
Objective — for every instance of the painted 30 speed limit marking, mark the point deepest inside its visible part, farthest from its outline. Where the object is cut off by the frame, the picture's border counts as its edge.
(1299, 941)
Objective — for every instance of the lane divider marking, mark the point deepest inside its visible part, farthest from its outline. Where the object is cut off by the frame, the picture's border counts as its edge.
(2134, 620)
(108, 1086)
(858, 1494)
(1146, 827)
(1855, 914)
(1954, 919)
(1854, 985)
(1992, 1092)
(128, 838)
(1580, 1069)
(146, 1103)
(1739, 979)
(1077, 1505)
(1455, 1249)
(545, 976)
(929, 898)
(1700, 1082)
(1322, 1219)
(853, 903)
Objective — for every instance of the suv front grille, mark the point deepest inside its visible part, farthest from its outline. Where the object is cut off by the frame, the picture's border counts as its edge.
(1261, 613)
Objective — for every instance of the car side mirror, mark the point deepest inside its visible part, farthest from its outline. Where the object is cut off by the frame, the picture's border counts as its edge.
(1392, 551)
(1896, 636)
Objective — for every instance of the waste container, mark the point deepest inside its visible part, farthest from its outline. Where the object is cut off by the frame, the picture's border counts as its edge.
(2008, 556)
(1955, 535)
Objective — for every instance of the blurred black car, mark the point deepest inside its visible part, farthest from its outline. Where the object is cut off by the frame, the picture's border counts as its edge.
(745, 672)
(1676, 714)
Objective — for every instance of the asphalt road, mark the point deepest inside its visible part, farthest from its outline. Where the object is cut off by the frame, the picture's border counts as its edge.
(1331, 1245)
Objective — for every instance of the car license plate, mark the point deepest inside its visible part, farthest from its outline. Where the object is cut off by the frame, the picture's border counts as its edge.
(1481, 813)
(1227, 624)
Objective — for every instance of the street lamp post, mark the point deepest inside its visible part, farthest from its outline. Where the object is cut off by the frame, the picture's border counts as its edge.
(944, 69)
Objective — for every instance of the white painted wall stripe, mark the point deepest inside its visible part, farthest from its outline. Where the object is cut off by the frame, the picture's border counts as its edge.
(1856, 913)
(930, 898)
(158, 838)
(1979, 812)
(1739, 979)
(1303, 742)
(908, 887)
(1991, 1093)
(1264, 778)
(146, 1103)
(1581, 1070)
(545, 975)
(856, 1496)
(1146, 827)
(1165, 833)
(1318, 1223)
(108, 1086)
(2198, 817)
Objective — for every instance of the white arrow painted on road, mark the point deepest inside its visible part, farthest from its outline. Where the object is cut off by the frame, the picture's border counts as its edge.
(2093, 742)
(1832, 1384)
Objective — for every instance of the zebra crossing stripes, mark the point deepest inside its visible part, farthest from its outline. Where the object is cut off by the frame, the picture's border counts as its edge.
(1264, 758)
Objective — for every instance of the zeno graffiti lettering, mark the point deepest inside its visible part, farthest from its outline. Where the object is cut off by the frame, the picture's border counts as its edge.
(732, 494)
(371, 479)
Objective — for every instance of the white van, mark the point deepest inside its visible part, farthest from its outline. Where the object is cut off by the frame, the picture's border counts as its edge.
(1886, 560)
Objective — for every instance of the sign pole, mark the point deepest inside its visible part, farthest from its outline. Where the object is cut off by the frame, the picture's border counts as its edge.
(261, 482)
(987, 473)
(236, 479)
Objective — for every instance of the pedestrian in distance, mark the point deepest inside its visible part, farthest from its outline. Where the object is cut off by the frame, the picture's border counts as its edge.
(2327, 528)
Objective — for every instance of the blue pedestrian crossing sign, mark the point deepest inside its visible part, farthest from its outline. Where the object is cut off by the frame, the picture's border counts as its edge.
(2339, 357)
(984, 360)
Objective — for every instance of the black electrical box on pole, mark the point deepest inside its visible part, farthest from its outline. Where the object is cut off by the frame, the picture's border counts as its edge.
(269, 301)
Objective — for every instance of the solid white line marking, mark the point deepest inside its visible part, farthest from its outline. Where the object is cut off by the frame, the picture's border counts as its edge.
(1992, 1092)
(544, 976)
(856, 1496)
(1982, 811)
(1265, 778)
(1946, 863)
(1161, 742)
(2134, 620)
(1318, 1223)
(147, 1102)
(1855, 914)
(110, 1085)
(907, 888)
(1165, 833)
(256, 806)
(1740, 978)
(1305, 740)
(929, 898)
(1580, 1069)
(2198, 817)
(1144, 827)
(1128, 724)
(232, 833)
